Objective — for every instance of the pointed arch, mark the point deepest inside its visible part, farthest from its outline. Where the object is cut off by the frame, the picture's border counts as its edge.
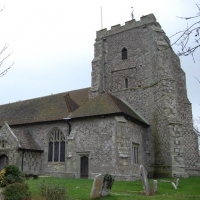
(124, 53)
(56, 146)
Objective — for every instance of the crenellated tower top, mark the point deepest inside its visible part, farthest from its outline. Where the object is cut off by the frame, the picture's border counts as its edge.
(144, 20)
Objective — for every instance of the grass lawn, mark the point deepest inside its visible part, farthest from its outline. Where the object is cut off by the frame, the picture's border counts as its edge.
(189, 188)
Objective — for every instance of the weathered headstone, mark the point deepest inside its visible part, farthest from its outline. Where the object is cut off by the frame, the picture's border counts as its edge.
(177, 182)
(97, 186)
(107, 184)
(1, 195)
(155, 186)
(173, 184)
(145, 182)
(101, 186)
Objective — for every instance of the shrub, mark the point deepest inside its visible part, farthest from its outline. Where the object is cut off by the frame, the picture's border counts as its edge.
(53, 192)
(31, 176)
(2, 174)
(13, 170)
(12, 175)
(17, 191)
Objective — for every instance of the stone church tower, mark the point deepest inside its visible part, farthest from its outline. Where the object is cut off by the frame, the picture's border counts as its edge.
(135, 63)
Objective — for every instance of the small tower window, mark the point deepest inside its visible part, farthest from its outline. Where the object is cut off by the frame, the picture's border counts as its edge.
(124, 54)
(126, 83)
(135, 153)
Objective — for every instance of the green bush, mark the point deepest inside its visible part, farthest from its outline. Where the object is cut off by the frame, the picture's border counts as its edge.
(12, 175)
(31, 176)
(13, 170)
(53, 192)
(17, 191)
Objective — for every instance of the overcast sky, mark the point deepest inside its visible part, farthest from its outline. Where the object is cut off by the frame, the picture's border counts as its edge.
(52, 42)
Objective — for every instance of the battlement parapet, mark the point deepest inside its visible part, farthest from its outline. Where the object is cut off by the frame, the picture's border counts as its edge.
(144, 20)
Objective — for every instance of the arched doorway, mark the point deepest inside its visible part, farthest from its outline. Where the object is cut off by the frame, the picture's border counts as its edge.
(84, 167)
(3, 161)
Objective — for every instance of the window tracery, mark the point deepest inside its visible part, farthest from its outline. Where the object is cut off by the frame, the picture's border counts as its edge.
(56, 149)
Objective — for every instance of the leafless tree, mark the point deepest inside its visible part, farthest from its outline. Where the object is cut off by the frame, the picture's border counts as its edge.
(3, 57)
(184, 37)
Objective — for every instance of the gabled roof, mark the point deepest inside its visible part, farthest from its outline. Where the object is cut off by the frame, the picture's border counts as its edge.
(107, 104)
(48, 108)
(26, 140)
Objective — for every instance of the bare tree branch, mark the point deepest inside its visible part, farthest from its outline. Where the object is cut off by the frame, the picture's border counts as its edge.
(199, 82)
(3, 58)
(192, 32)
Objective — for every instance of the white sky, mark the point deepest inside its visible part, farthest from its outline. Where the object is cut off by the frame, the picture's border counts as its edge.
(52, 42)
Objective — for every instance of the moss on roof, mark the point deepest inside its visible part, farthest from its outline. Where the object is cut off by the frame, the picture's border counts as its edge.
(48, 108)
(26, 140)
(106, 104)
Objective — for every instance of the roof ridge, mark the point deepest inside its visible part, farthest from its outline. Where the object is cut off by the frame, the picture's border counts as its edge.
(43, 96)
(110, 96)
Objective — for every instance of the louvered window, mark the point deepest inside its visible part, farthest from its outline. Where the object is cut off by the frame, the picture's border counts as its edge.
(56, 149)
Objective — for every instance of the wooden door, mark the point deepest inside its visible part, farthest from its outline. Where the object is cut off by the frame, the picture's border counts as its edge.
(84, 167)
(3, 161)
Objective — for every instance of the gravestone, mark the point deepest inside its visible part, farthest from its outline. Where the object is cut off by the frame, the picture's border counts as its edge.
(101, 186)
(177, 182)
(1, 195)
(97, 186)
(174, 186)
(108, 181)
(155, 186)
(145, 182)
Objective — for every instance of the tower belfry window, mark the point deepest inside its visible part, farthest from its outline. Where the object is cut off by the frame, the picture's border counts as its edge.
(124, 54)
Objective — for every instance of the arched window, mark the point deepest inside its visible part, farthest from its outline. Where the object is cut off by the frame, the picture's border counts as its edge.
(124, 54)
(56, 149)
(126, 83)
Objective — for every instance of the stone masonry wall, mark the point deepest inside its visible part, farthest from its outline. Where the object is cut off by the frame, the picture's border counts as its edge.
(156, 88)
(38, 162)
(9, 145)
(107, 142)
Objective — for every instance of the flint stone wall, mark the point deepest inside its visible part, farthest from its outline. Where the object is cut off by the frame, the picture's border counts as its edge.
(108, 145)
(156, 89)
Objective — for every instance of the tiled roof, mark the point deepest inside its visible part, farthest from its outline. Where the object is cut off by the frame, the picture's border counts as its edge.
(48, 108)
(26, 140)
(106, 104)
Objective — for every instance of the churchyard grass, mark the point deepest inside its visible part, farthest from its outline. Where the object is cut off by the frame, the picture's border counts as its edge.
(79, 189)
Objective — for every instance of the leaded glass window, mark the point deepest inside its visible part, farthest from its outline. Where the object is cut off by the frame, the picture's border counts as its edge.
(56, 150)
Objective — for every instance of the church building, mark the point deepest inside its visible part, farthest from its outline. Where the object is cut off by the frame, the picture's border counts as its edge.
(136, 112)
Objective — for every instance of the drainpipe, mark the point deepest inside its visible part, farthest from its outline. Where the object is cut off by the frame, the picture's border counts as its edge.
(70, 126)
(22, 160)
